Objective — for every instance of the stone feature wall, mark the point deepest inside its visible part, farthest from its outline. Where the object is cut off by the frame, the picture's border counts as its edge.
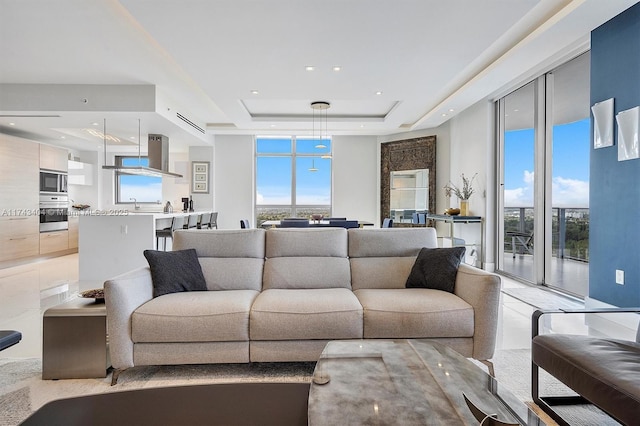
(408, 154)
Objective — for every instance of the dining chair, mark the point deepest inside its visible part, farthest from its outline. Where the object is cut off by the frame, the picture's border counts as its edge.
(387, 222)
(296, 223)
(214, 220)
(244, 224)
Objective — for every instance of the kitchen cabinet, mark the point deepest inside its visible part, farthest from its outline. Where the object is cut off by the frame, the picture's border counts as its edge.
(54, 241)
(19, 190)
(73, 231)
(19, 237)
(80, 173)
(53, 158)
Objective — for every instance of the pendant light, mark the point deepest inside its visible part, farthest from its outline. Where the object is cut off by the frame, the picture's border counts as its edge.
(321, 106)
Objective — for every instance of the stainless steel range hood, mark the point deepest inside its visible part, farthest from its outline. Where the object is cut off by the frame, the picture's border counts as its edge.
(158, 154)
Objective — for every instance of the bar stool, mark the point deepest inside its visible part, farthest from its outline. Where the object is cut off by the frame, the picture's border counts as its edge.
(176, 223)
(192, 222)
(205, 221)
(214, 220)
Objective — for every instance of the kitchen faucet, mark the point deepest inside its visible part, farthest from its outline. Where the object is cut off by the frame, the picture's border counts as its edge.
(135, 204)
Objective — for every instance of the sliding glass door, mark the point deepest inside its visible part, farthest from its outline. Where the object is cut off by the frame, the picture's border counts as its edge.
(544, 143)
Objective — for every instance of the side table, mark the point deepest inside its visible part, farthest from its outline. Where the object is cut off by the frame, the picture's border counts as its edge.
(74, 340)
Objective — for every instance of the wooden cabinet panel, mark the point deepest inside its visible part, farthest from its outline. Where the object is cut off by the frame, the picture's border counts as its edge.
(19, 174)
(54, 241)
(73, 231)
(19, 226)
(17, 247)
(53, 158)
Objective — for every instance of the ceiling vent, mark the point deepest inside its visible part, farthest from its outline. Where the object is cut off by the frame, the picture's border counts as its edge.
(190, 123)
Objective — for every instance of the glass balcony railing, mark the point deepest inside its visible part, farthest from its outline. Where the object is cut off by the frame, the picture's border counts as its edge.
(570, 230)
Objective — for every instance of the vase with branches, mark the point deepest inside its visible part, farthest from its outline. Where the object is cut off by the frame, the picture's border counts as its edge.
(463, 193)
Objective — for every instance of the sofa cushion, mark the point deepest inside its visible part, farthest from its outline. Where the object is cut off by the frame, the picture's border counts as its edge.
(222, 243)
(232, 273)
(604, 371)
(436, 268)
(281, 314)
(175, 271)
(390, 242)
(317, 242)
(414, 313)
(380, 272)
(202, 316)
(306, 273)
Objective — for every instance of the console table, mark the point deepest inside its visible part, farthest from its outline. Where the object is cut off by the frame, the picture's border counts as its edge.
(454, 221)
(406, 382)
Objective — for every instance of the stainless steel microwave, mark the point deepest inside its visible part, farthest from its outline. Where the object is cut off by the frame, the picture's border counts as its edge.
(52, 182)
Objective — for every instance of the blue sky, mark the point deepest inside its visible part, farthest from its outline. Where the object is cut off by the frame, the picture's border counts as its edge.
(570, 176)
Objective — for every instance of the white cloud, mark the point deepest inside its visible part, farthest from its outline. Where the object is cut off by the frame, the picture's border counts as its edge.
(570, 192)
(528, 177)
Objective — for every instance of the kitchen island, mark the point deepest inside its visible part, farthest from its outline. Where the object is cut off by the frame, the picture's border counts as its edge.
(111, 243)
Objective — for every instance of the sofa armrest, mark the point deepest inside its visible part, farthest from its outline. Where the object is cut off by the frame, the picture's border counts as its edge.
(480, 289)
(123, 295)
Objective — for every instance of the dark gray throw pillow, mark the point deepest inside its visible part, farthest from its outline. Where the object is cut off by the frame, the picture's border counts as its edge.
(175, 271)
(436, 268)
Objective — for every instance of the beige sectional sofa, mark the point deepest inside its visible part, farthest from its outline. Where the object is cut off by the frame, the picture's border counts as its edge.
(282, 294)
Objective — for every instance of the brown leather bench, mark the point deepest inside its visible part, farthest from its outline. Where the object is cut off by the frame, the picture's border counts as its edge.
(602, 371)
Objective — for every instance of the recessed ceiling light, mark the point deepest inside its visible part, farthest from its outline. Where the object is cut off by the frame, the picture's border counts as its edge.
(63, 137)
(379, 92)
(254, 92)
(309, 68)
(133, 138)
(12, 124)
(337, 68)
(361, 126)
(95, 124)
(272, 125)
(444, 114)
(451, 110)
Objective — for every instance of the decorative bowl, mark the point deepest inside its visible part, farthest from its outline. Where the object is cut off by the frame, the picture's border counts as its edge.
(452, 211)
(317, 217)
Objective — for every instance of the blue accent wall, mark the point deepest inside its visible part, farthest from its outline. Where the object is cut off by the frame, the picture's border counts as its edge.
(614, 240)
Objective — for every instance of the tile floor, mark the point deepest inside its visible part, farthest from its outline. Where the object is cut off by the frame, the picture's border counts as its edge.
(27, 290)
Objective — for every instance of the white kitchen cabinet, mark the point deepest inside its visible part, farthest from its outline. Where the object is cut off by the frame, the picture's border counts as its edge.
(80, 173)
(53, 158)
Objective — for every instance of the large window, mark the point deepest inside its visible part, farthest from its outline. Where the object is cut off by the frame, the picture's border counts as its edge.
(145, 189)
(293, 177)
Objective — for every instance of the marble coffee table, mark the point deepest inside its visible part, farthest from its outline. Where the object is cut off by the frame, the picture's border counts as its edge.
(408, 382)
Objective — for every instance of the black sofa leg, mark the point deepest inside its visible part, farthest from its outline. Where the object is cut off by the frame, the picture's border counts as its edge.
(115, 374)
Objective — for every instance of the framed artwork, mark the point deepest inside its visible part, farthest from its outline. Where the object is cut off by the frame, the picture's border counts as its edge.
(200, 177)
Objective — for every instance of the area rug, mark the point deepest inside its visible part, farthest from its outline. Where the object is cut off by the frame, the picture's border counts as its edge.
(22, 390)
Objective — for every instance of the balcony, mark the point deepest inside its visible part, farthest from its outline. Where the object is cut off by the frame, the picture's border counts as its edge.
(569, 263)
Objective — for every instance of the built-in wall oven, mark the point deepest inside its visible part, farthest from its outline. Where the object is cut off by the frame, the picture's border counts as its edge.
(52, 182)
(54, 212)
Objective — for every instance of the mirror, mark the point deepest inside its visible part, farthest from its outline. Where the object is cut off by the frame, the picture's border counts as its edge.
(409, 194)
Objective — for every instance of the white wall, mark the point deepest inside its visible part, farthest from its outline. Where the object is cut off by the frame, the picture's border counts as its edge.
(473, 151)
(234, 180)
(355, 170)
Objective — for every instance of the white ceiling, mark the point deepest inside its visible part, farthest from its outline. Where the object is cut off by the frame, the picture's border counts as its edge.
(430, 59)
